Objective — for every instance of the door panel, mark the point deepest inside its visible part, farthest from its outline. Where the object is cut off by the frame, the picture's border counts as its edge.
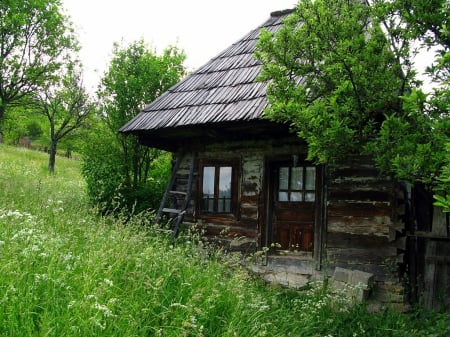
(293, 206)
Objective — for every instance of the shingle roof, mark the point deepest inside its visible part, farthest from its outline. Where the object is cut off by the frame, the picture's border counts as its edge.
(223, 90)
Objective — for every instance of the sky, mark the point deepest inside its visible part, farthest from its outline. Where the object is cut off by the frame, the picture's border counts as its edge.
(202, 28)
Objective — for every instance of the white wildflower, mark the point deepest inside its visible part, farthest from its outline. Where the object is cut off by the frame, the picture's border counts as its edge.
(108, 282)
(104, 309)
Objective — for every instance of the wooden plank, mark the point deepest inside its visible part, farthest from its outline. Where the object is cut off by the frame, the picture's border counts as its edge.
(359, 255)
(235, 231)
(438, 259)
(428, 235)
(378, 226)
(353, 193)
(347, 240)
(171, 210)
(178, 192)
(359, 209)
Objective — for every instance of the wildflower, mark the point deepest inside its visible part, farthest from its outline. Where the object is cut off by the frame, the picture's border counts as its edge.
(108, 282)
(178, 305)
(104, 309)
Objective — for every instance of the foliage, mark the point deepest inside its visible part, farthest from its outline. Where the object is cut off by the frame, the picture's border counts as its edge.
(66, 105)
(342, 74)
(136, 76)
(102, 167)
(20, 122)
(332, 76)
(66, 271)
(33, 35)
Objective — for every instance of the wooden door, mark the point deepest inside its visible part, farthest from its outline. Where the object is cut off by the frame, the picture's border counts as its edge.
(293, 200)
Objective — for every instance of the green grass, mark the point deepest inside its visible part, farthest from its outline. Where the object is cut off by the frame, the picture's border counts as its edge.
(66, 271)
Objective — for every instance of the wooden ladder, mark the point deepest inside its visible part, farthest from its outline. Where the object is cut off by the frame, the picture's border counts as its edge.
(177, 213)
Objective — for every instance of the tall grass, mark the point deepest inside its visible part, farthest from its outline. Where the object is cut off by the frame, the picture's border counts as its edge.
(66, 271)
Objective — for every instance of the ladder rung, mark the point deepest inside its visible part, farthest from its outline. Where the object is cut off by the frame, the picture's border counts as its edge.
(178, 192)
(171, 210)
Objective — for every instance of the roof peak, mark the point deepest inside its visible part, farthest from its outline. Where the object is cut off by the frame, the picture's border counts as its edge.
(282, 12)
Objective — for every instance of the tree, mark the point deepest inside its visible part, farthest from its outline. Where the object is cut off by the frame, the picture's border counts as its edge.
(66, 106)
(342, 74)
(136, 76)
(427, 21)
(33, 35)
(332, 75)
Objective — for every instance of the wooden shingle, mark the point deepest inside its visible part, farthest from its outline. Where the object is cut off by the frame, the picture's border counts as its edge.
(221, 91)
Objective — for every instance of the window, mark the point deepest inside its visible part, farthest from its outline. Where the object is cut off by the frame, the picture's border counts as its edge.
(297, 184)
(218, 188)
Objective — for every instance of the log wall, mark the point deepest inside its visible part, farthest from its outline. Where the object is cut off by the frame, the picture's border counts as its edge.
(362, 226)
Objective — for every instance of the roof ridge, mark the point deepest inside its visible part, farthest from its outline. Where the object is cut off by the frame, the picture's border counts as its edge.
(282, 12)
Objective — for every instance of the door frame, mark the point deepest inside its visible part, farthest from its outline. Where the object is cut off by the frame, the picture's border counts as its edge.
(320, 217)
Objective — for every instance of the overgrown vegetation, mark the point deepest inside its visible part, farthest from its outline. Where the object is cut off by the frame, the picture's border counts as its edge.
(121, 168)
(66, 271)
(342, 74)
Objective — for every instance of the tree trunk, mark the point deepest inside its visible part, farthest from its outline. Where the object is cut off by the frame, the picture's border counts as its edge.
(2, 115)
(52, 157)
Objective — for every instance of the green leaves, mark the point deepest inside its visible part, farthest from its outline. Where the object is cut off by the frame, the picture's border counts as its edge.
(332, 75)
(35, 37)
(136, 76)
(341, 74)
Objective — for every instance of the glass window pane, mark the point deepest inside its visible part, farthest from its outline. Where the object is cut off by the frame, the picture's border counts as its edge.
(225, 182)
(208, 180)
(283, 180)
(208, 204)
(283, 196)
(296, 196)
(310, 183)
(297, 178)
(224, 205)
(310, 196)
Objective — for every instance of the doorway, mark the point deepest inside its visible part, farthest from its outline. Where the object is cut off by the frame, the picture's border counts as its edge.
(293, 202)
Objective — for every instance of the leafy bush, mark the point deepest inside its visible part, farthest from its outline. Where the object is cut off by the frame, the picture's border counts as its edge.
(105, 174)
(103, 170)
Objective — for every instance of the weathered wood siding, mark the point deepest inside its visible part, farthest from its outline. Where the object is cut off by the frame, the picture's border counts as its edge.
(362, 226)
(364, 212)
(244, 231)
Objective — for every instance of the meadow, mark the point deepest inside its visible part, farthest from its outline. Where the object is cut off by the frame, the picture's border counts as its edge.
(65, 270)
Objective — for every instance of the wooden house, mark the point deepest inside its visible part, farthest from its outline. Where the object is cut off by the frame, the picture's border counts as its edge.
(246, 181)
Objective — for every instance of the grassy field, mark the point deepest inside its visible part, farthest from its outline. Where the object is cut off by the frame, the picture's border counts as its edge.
(66, 271)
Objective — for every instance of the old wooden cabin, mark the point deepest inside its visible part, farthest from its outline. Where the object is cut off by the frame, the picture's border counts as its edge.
(245, 180)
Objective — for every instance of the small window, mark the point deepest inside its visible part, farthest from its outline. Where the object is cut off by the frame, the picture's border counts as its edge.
(297, 184)
(218, 190)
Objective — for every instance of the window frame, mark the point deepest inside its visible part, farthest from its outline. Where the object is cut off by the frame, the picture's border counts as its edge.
(234, 206)
(290, 190)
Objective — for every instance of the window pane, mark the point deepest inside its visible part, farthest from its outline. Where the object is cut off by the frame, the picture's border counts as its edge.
(208, 180)
(208, 188)
(224, 205)
(283, 180)
(310, 178)
(208, 204)
(283, 196)
(297, 178)
(225, 182)
(310, 196)
(296, 196)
